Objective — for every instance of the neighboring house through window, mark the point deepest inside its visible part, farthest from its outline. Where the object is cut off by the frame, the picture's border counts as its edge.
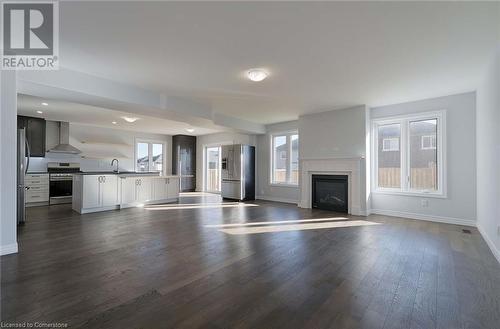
(149, 155)
(428, 142)
(390, 144)
(409, 154)
(285, 158)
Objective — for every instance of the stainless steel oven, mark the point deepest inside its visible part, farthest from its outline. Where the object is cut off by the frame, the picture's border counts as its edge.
(61, 181)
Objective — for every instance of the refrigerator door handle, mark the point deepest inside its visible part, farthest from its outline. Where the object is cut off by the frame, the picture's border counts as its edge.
(28, 157)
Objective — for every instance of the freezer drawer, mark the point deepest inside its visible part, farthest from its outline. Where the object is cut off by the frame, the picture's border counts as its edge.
(231, 190)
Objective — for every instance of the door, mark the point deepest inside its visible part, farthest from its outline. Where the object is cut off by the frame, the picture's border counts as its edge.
(225, 158)
(236, 163)
(21, 171)
(144, 189)
(231, 190)
(35, 133)
(160, 188)
(184, 161)
(128, 189)
(109, 190)
(91, 193)
(212, 169)
(173, 188)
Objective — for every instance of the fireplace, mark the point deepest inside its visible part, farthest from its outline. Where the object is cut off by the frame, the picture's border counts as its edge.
(330, 192)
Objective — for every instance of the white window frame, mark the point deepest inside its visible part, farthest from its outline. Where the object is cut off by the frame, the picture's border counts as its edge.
(288, 135)
(431, 147)
(404, 145)
(150, 143)
(390, 149)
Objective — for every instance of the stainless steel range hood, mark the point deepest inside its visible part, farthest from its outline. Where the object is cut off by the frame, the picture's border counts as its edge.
(63, 146)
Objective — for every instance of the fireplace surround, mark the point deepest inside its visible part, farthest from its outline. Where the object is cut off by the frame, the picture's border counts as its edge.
(353, 168)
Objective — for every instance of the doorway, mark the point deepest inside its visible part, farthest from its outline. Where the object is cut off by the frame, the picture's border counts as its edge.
(212, 169)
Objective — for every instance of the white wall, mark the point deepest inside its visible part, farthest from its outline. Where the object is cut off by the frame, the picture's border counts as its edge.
(214, 140)
(460, 204)
(337, 134)
(488, 156)
(8, 162)
(333, 134)
(265, 190)
(99, 146)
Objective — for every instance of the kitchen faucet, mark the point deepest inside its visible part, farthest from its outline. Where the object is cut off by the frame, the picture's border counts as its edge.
(117, 165)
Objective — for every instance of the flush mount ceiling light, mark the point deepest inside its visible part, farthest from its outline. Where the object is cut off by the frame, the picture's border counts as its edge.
(130, 119)
(39, 112)
(257, 75)
(45, 104)
(190, 130)
(114, 122)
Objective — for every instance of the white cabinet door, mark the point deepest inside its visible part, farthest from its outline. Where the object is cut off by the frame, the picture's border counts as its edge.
(91, 193)
(128, 189)
(109, 191)
(160, 188)
(173, 188)
(144, 189)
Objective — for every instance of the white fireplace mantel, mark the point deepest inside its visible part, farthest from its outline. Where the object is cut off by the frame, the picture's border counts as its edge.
(354, 168)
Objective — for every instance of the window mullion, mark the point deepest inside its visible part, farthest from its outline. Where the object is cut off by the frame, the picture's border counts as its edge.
(288, 158)
(150, 156)
(273, 160)
(405, 164)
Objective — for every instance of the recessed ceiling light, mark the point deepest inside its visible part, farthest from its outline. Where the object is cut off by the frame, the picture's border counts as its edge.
(39, 112)
(190, 130)
(114, 122)
(130, 119)
(257, 74)
(45, 104)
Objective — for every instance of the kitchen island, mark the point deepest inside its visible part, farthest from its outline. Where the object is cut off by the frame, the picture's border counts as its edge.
(102, 191)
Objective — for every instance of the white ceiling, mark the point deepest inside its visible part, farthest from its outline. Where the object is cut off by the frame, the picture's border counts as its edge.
(58, 110)
(321, 55)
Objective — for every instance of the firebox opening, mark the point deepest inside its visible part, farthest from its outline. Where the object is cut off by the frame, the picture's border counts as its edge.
(330, 192)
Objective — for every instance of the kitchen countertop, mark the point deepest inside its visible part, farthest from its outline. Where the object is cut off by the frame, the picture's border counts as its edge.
(36, 173)
(121, 173)
(127, 174)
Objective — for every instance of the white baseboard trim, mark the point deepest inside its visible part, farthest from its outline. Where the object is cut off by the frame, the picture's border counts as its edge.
(357, 211)
(8, 249)
(271, 198)
(490, 243)
(431, 218)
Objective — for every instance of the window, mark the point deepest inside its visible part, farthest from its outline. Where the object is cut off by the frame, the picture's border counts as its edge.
(149, 155)
(389, 156)
(409, 154)
(285, 159)
(390, 144)
(428, 142)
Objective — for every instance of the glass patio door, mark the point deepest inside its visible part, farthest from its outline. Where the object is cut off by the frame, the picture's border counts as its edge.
(213, 169)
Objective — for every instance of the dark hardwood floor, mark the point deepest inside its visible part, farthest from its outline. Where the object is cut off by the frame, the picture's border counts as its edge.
(185, 266)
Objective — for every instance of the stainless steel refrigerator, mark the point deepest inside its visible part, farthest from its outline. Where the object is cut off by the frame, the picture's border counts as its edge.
(23, 160)
(238, 172)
